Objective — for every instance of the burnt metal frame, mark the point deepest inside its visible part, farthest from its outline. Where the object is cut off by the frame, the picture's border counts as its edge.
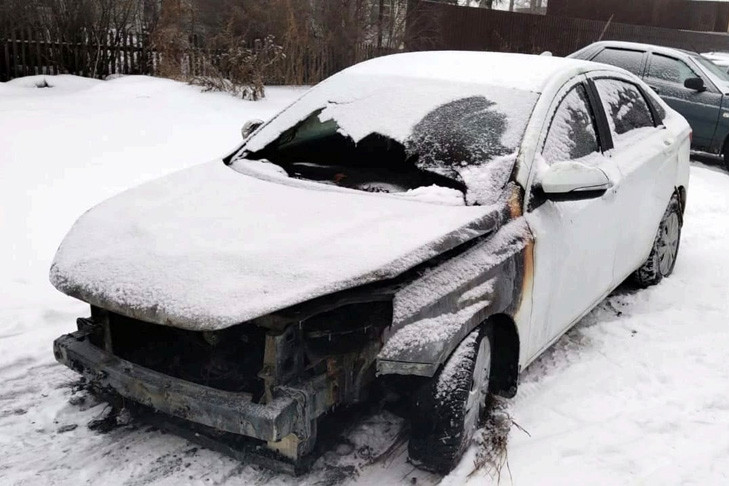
(289, 413)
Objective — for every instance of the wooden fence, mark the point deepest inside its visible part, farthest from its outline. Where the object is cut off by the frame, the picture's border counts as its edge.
(29, 52)
(444, 26)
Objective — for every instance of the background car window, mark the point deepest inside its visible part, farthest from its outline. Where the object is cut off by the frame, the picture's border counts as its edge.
(625, 106)
(629, 60)
(670, 69)
(572, 132)
(715, 69)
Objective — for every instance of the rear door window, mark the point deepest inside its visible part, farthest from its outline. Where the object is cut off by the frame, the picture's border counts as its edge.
(572, 134)
(669, 69)
(627, 59)
(626, 109)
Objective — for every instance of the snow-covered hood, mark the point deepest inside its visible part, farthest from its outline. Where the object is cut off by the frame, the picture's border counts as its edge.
(207, 247)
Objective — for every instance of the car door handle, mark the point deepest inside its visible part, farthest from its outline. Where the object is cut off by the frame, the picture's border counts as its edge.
(668, 141)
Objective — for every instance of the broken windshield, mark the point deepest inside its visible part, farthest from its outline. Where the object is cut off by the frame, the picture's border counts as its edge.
(397, 134)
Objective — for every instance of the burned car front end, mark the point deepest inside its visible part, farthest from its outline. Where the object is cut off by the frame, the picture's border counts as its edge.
(270, 379)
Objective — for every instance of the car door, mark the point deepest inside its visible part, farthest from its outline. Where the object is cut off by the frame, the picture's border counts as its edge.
(645, 153)
(575, 241)
(666, 75)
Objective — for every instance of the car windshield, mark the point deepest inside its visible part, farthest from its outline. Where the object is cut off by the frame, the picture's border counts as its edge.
(712, 68)
(398, 134)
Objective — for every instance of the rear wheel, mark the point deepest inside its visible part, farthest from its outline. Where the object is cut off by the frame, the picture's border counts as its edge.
(726, 158)
(663, 255)
(448, 409)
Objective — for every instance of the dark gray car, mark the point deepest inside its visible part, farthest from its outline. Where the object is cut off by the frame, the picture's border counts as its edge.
(688, 82)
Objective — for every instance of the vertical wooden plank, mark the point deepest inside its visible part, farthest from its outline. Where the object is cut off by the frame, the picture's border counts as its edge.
(41, 64)
(134, 66)
(113, 53)
(6, 49)
(32, 66)
(193, 57)
(14, 41)
(75, 48)
(23, 49)
(125, 51)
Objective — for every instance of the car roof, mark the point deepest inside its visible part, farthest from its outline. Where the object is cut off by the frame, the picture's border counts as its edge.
(518, 71)
(645, 47)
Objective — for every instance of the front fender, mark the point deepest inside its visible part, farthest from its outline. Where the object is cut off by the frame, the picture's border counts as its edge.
(432, 314)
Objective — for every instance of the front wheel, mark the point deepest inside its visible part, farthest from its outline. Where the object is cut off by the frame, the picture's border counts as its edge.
(448, 409)
(664, 253)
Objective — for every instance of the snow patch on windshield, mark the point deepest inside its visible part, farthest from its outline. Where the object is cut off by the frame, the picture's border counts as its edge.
(446, 128)
(486, 182)
(434, 194)
(392, 106)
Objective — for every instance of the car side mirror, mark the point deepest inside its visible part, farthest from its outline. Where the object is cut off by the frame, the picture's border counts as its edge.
(249, 127)
(571, 181)
(696, 84)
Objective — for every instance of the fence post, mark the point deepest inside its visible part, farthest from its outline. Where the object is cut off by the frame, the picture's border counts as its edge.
(23, 49)
(14, 40)
(125, 51)
(6, 48)
(39, 58)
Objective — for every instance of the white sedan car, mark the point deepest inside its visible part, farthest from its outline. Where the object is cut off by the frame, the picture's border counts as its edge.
(432, 220)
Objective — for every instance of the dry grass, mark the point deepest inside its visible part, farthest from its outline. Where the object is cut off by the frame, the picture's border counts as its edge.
(492, 440)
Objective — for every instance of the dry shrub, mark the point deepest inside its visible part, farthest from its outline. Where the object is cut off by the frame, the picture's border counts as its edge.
(239, 69)
(492, 440)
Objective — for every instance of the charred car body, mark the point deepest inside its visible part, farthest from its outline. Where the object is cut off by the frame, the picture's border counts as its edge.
(438, 217)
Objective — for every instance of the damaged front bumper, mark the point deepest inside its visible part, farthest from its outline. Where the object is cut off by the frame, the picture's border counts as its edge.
(284, 422)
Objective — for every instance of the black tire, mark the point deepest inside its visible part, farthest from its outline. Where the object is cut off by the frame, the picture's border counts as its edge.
(726, 157)
(442, 426)
(664, 253)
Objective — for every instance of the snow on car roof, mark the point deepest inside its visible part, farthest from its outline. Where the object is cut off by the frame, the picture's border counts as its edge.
(645, 47)
(519, 71)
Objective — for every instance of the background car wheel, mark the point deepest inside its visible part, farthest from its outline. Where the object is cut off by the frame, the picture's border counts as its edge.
(663, 255)
(448, 408)
(726, 158)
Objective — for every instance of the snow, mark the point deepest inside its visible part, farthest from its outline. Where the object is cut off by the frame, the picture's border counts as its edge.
(635, 393)
(208, 247)
(518, 71)
(461, 273)
(572, 131)
(626, 108)
(447, 384)
(434, 194)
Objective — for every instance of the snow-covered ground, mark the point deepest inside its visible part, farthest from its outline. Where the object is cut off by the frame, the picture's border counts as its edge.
(635, 394)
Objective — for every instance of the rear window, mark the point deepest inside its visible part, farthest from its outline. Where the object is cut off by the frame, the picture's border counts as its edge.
(626, 108)
(629, 60)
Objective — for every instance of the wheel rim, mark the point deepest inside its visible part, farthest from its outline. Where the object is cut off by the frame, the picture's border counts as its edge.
(668, 244)
(479, 386)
